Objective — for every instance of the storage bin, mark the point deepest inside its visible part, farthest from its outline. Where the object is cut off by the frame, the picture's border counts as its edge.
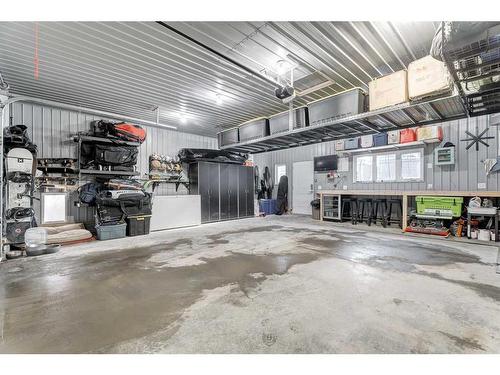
(408, 135)
(228, 137)
(429, 133)
(484, 235)
(393, 137)
(351, 143)
(367, 141)
(388, 90)
(279, 123)
(254, 129)
(428, 77)
(339, 145)
(138, 225)
(380, 139)
(111, 232)
(443, 206)
(268, 206)
(345, 104)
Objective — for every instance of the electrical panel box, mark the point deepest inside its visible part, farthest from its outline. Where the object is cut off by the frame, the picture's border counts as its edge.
(444, 156)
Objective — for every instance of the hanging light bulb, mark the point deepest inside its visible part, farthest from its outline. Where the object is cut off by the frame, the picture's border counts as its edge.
(281, 67)
(219, 99)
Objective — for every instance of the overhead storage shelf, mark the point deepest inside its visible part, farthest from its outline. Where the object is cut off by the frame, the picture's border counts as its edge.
(389, 147)
(401, 116)
(472, 67)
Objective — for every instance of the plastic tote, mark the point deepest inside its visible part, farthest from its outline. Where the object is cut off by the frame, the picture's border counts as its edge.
(111, 232)
(367, 141)
(138, 225)
(380, 139)
(393, 137)
(351, 143)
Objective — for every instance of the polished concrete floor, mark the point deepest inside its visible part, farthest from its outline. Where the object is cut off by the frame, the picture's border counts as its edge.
(262, 285)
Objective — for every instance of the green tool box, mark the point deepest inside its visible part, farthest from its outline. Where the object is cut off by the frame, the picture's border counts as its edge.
(439, 206)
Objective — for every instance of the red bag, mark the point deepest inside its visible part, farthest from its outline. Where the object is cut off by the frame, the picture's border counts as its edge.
(408, 135)
(128, 132)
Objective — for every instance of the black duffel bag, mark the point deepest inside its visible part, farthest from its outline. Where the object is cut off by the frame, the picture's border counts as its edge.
(116, 210)
(110, 155)
(16, 136)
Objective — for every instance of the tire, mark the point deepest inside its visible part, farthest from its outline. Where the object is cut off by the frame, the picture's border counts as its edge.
(13, 254)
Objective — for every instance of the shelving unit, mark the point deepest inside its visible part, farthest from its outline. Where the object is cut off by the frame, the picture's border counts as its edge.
(401, 116)
(108, 173)
(471, 66)
(389, 147)
(96, 172)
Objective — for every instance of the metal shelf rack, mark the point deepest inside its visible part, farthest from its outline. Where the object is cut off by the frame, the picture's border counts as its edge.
(401, 116)
(471, 66)
(80, 138)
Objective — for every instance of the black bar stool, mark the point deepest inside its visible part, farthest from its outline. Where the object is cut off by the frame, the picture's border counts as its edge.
(349, 209)
(379, 209)
(394, 208)
(364, 210)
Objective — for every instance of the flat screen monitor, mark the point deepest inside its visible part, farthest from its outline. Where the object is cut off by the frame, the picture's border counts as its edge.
(325, 163)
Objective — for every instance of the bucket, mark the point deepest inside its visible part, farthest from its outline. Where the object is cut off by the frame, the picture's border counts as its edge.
(484, 235)
(492, 235)
(473, 234)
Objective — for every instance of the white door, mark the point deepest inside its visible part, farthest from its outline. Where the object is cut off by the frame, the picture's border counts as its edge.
(302, 187)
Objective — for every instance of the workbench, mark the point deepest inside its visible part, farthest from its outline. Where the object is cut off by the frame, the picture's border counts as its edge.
(404, 195)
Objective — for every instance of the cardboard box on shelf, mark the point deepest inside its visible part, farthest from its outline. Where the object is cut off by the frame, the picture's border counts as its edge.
(388, 90)
(428, 77)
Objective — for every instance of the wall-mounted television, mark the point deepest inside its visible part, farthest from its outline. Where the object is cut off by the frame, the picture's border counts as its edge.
(325, 163)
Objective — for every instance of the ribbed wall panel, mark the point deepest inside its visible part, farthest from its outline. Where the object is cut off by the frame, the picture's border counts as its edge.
(51, 129)
(465, 175)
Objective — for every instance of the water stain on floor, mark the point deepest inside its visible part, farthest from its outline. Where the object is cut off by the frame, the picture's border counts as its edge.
(114, 298)
(105, 298)
(463, 342)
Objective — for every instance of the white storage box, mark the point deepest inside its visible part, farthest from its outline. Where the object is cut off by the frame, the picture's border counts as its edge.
(393, 137)
(339, 145)
(367, 141)
(388, 90)
(429, 133)
(428, 77)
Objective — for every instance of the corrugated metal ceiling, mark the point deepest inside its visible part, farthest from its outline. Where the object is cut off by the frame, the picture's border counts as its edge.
(133, 67)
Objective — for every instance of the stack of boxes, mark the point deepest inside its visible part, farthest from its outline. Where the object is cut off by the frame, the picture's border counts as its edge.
(426, 77)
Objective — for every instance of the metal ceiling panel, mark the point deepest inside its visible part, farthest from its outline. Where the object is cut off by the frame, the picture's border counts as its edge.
(133, 68)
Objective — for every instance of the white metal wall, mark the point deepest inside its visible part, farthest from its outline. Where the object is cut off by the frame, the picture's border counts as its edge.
(51, 129)
(466, 174)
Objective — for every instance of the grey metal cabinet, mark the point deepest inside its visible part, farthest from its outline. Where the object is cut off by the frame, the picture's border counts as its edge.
(226, 190)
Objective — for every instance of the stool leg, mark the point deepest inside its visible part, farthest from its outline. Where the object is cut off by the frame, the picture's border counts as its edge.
(384, 209)
(388, 214)
(375, 212)
(354, 213)
(400, 214)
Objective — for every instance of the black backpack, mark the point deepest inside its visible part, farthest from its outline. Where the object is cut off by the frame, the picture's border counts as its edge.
(88, 192)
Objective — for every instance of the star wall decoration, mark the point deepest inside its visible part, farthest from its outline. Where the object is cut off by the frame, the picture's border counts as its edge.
(477, 138)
